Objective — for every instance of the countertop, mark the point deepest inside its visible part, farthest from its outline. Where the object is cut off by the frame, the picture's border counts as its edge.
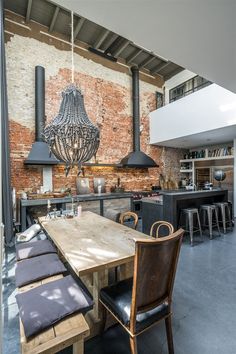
(76, 198)
(184, 191)
(182, 194)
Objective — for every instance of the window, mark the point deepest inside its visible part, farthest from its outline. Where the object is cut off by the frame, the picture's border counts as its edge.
(188, 87)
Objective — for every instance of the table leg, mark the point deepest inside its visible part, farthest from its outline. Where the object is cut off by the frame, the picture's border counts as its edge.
(23, 218)
(78, 347)
(125, 271)
(100, 280)
(95, 282)
(101, 207)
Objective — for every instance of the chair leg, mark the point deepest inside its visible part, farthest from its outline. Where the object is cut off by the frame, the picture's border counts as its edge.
(209, 216)
(133, 345)
(199, 225)
(223, 218)
(217, 222)
(190, 220)
(169, 335)
(229, 217)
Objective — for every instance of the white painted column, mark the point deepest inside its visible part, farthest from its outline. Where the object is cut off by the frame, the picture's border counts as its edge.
(47, 179)
(234, 184)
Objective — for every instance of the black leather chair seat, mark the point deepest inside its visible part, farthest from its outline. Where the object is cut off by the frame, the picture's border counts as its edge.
(118, 299)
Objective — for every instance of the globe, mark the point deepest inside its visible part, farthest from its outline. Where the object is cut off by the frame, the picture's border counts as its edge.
(219, 175)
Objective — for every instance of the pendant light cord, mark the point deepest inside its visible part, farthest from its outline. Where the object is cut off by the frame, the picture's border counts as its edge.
(72, 47)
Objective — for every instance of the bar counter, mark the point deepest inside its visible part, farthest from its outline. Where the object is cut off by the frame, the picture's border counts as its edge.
(168, 204)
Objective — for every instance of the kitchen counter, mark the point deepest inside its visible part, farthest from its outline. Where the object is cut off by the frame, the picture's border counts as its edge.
(168, 204)
(61, 202)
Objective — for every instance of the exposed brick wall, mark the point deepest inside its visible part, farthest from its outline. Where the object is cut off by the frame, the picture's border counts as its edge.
(108, 102)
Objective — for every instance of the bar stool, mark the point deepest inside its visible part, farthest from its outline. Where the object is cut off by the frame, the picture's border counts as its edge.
(224, 209)
(189, 218)
(208, 210)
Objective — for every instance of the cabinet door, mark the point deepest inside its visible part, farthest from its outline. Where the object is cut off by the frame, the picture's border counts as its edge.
(203, 175)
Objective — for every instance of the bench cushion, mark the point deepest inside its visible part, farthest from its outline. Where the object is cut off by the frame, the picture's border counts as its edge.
(36, 268)
(42, 307)
(33, 249)
(29, 233)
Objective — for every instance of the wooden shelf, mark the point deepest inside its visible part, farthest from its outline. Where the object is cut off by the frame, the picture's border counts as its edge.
(227, 157)
(188, 171)
(88, 164)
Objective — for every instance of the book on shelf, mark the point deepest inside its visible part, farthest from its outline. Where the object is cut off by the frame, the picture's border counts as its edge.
(220, 152)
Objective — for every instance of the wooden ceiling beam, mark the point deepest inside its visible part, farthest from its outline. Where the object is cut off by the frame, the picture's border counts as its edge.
(101, 38)
(78, 27)
(120, 49)
(133, 56)
(28, 11)
(147, 61)
(173, 73)
(159, 67)
(54, 18)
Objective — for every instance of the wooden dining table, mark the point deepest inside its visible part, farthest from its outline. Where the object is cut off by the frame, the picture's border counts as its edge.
(93, 246)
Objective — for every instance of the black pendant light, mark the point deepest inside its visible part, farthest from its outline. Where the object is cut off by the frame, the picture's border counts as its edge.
(71, 136)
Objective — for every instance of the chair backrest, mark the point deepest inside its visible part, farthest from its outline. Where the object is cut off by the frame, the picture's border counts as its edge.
(154, 273)
(158, 225)
(128, 215)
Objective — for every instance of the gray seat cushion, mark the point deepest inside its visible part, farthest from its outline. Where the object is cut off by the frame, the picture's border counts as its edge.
(41, 307)
(34, 249)
(37, 268)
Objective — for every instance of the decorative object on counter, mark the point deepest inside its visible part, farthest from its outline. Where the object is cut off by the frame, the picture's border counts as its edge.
(99, 185)
(82, 185)
(117, 188)
(39, 196)
(219, 176)
(72, 137)
(24, 195)
(208, 186)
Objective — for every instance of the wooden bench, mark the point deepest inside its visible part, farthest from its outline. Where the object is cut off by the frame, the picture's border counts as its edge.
(69, 331)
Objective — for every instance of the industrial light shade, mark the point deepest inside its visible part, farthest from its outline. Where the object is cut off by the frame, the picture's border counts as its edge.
(71, 136)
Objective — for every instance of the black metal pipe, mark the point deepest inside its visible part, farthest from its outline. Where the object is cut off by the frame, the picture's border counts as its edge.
(39, 102)
(136, 113)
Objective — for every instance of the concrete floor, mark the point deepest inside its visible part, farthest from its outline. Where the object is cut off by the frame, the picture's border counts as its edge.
(204, 308)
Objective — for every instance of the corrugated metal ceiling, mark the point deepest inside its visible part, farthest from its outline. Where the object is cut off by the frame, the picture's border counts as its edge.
(58, 19)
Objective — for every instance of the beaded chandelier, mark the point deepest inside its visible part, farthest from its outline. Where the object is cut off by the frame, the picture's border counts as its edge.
(71, 136)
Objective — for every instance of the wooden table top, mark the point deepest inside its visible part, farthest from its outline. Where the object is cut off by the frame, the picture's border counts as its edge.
(91, 242)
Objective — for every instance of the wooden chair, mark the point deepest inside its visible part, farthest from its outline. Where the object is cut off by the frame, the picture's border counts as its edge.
(156, 226)
(130, 301)
(129, 214)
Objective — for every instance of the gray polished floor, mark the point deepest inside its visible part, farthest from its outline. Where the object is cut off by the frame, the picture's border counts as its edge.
(204, 308)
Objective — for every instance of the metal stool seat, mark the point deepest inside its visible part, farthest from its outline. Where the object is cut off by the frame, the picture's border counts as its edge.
(189, 218)
(224, 209)
(210, 210)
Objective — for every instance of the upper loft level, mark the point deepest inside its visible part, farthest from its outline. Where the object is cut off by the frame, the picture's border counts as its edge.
(206, 116)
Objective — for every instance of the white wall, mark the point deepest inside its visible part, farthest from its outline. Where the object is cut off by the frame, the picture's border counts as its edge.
(209, 108)
(176, 80)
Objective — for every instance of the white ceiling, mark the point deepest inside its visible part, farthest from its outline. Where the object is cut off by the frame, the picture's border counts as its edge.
(196, 34)
(210, 137)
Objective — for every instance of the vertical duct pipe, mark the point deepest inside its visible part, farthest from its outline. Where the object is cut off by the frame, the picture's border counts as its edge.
(136, 112)
(39, 102)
